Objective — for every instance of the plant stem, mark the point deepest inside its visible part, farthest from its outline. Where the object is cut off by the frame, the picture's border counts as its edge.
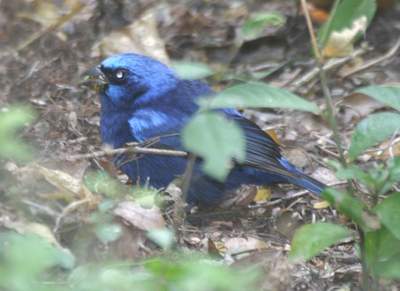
(330, 112)
(330, 109)
(331, 119)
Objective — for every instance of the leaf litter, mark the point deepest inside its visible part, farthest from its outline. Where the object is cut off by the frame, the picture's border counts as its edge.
(47, 73)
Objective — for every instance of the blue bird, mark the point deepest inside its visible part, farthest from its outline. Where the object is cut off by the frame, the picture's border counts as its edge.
(142, 99)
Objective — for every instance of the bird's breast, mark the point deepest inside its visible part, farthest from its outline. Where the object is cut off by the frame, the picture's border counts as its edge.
(114, 129)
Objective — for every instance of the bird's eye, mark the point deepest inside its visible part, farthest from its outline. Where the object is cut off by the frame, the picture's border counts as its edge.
(119, 75)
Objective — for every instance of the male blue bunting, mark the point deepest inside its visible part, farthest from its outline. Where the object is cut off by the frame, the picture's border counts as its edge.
(142, 99)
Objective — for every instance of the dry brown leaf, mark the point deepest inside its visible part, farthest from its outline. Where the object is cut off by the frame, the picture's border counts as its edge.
(325, 175)
(318, 14)
(242, 196)
(38, 229)
(238, 245)
(356, 106)
(67, 184)
(321, 205)
(33, 228)
(389, 149)
(272, 133)
(340, 43)
(263, 194)
(140, 217)
(141, 36)
(215, 247)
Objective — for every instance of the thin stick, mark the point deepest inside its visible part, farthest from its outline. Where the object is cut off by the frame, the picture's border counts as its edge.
(314, 42)
(324, 84)
(187, 176)
(388, 55)
(329, 65)
(131, 149)
(330, 110)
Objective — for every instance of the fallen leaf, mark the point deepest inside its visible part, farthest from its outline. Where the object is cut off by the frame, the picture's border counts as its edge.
(340, 43)
(141, 36)
(239, 245)
(325, 175)
(242, 196)
(318, 15)
(140, 217)
(388, 150)
(356, 106)
(67, 184)
(263, 194)
(272, 133)
(321, 205)
(41, 230)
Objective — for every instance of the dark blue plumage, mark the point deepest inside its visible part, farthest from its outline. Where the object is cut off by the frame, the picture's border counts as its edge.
(142, 99)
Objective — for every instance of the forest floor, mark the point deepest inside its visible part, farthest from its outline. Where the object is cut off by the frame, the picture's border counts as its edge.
(42, 65)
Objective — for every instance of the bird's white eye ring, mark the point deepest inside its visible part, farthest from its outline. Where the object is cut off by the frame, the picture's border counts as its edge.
(119, 74)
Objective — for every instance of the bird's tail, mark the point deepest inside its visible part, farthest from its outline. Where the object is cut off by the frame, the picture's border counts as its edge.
(302, 180)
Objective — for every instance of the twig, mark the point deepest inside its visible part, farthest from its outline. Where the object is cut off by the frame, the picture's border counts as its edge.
(187, 176)
(129, 149)
(389, 54)
(314, 42)
(329, 65)
(330, 109)
(331, 118)
(69, 208)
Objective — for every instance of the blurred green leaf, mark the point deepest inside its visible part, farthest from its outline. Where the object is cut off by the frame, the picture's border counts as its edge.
(191, 70)
(352, 207)
(257, 95)
(389, 269)
(105, 277)
(24, 258)
(101, 182)
(389, 213)
(311, 239)
(11, 120)
(164, 237)
(343, 15)
(387, 94)
(382, 253)
(215, 139)
(108, 232)
(258, 22)
(198, 274)
(372, 130)
(355, 172)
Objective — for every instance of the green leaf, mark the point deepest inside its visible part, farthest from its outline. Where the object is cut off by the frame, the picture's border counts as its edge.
(108, 232)
(343, 15)
(258, 22)
(355, 172)
(311, 239)
(389, 269)
(163, 237)
(191, 70)
(352, 207)
(382, 253)
(389, 213)
(387, 94)
(372, 130)
(217, 140)
(257, 95)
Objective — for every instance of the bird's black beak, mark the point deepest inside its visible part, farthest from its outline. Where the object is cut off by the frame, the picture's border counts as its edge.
(95, 79)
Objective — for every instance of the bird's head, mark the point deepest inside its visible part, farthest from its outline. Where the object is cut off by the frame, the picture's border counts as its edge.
(130, 79)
